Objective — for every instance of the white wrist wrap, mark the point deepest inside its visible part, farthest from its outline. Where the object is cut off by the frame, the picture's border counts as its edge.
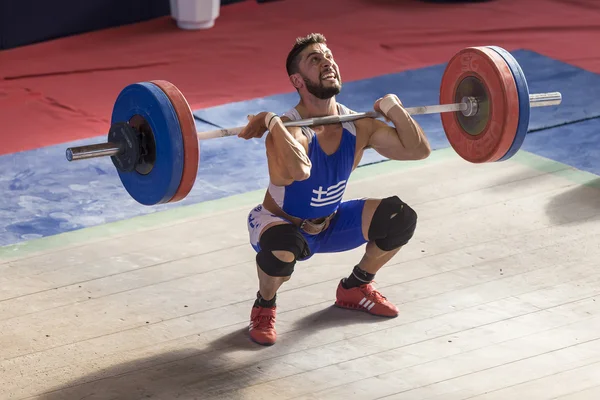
(271, 119)
(387, 104)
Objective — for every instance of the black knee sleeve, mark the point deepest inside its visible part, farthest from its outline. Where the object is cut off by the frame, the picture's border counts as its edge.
(284, 237)
(393, 224)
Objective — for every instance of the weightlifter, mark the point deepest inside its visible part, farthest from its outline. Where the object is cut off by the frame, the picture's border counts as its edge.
(303, 213)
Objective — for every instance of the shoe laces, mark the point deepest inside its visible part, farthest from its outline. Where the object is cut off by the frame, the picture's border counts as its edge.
(262, 321)
(373, 294)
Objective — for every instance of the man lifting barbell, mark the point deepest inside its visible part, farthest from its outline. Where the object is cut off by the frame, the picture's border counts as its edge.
(153, 143)
(303, 213)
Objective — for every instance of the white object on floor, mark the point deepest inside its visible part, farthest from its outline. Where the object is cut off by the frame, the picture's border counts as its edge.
(195, 14)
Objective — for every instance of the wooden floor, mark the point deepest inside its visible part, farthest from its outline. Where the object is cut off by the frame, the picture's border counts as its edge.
(498, 292)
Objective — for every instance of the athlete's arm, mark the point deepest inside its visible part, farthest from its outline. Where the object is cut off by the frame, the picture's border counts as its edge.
(286, 148)
(290, 160)
(405, 140)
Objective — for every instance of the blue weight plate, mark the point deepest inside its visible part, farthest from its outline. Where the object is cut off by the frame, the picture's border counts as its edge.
(524, 106)
(147, 106)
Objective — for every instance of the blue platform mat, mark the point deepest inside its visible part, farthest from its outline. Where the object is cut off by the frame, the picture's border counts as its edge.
(44, 195)
(576, 144)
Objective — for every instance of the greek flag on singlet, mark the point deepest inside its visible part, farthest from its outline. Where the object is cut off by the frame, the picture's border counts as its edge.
(331, 195)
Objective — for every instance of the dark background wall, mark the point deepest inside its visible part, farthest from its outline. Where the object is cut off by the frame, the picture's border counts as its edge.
(24, 22)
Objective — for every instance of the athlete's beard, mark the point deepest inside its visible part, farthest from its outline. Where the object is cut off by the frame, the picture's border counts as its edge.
(320, 91)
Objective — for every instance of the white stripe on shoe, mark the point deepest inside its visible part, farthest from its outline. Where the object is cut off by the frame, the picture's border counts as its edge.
(368, 304)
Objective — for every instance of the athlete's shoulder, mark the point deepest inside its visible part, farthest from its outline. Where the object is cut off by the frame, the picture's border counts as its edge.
(303, 134)
(291, 115)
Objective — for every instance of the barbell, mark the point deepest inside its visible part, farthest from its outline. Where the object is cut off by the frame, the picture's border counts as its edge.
(153, 143)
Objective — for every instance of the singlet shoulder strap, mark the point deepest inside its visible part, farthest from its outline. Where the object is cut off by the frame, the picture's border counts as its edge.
(349, 126)
(293, 115)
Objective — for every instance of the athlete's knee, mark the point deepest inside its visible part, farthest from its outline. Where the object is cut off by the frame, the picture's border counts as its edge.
(284, 255)
(393, 224)
(280, 247)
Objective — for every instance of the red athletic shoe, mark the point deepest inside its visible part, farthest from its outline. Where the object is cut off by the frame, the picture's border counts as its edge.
(365, 298)
(262, 325)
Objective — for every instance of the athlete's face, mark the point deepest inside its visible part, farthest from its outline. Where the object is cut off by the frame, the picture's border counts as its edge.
(319, 72)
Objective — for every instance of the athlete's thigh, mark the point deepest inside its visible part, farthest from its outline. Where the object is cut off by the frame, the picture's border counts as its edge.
(346, 230)
(259, 220)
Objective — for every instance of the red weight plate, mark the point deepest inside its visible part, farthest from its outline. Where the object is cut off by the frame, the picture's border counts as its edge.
(499, 112)
(190, 138)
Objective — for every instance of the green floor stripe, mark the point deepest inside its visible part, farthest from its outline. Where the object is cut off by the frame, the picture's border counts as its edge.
(251, 198)
(556, 168)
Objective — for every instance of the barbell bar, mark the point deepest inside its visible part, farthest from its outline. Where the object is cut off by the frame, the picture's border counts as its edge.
(468, 107)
